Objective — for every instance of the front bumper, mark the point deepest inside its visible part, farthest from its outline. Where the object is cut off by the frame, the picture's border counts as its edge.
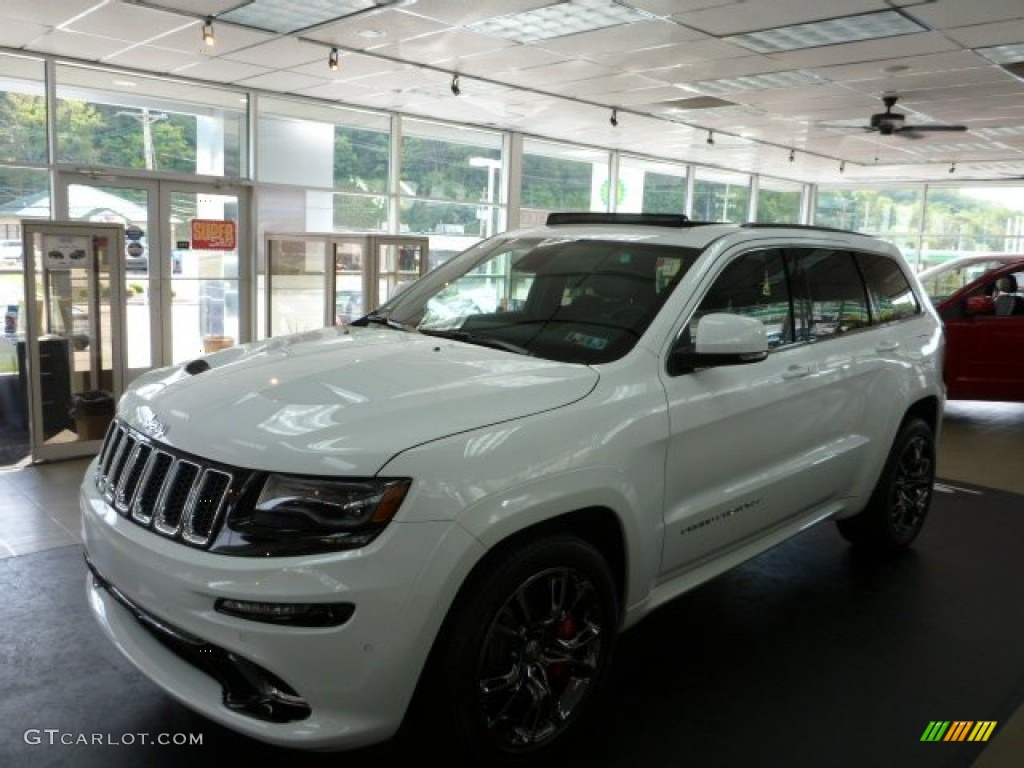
(321, 688)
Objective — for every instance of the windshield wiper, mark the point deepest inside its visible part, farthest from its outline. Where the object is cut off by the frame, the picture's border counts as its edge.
(378, 319)
(481, 340)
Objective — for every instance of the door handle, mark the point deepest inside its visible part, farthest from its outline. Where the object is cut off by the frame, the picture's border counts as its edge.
(796, 372)
(888, 346)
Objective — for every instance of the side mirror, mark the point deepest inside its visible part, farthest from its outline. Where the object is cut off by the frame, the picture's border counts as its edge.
(723, 339)
(979, 305)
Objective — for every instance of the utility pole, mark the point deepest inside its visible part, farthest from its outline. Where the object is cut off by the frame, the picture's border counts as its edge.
(147, 119)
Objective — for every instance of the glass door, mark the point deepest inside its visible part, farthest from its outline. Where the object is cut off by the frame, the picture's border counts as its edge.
(400, 261)
(133, 205)
(296, 284)
(203, 304)
(350, 278)
(70, 363)
(314, 279)
(180, 264)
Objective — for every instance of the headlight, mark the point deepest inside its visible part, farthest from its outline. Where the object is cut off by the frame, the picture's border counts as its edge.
(304, 515)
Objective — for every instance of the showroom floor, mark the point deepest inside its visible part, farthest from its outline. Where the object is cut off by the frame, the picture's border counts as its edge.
(805, 656)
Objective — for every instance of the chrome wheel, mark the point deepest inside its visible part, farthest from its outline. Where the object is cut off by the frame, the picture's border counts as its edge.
(912, 487)
(540, 655)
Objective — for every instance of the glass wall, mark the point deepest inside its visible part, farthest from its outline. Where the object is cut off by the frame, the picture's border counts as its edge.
(109, 118)
(779, 202)
(720, 196)
(971, 220)
(341, 157)
(561, 177)
(451, 186)
(24, 193)
(891, 213)
(648, 186)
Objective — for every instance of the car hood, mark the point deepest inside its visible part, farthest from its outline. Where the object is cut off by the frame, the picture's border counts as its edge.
(342, 400)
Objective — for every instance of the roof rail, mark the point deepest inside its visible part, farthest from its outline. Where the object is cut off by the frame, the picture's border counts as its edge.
(649, 219)
(813, 227)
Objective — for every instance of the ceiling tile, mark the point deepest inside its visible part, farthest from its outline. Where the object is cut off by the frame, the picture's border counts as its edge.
(281, 81)
(438, 47)
(909, 65)
(352, 66)
(15, 33)
(128, 22)
(740, 17)
(867, 50)
(220, 70)
(77, 45)
(460, 13)
(389, 25)
(50, 13)
(281, 53)
(151, 58)
(987, 35)
(623, 38)
(946, 14)
(507, 59)
(229, 38)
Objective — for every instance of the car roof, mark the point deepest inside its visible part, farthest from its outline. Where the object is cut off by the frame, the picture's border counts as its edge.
(978, 258)
(677, 230)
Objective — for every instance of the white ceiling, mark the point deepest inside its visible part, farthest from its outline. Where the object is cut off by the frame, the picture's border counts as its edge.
(402, 55)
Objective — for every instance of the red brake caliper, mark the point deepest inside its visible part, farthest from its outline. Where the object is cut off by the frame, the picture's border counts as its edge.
(566, 628)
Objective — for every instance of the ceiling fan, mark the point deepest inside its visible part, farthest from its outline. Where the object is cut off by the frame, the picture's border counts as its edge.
(889, 123)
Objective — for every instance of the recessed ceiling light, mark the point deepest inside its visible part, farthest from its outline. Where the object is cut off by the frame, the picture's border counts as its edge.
(371, 33)
(125, 83)
(291, 17)
(1003, 54)
(559, 20)
(791, 79)
(848, 29)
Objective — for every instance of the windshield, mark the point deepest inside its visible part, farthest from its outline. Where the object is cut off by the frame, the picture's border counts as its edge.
(566, 299)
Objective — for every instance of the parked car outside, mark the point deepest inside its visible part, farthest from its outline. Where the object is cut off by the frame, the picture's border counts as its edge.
(981, 303)
(443, 520)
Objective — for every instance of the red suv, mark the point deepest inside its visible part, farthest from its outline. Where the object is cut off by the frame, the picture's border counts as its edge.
(981, 302)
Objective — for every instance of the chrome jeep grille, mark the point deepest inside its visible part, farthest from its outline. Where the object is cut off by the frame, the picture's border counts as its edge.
(177, 496)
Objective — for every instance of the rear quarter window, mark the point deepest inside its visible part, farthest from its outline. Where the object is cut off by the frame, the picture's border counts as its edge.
(892, 298)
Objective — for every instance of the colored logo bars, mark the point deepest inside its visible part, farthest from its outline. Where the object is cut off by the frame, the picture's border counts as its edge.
(958, 730)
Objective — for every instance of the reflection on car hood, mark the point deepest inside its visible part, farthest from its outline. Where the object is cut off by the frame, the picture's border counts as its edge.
(343, 400)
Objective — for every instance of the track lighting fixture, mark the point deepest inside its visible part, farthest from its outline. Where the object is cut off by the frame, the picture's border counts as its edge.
(614, 118)
(456, 90)
(208, 37)
(792, 155)
(842, 166)
(952, 167)
(711, 137)
(332, 60)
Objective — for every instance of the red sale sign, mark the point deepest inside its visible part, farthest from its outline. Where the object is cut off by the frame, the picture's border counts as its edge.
(214, 235)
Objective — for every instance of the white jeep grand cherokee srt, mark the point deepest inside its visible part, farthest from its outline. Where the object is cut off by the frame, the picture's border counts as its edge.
(463, 497)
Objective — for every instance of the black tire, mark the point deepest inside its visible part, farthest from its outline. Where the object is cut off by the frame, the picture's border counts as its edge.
(902, 497)
(526, 650)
